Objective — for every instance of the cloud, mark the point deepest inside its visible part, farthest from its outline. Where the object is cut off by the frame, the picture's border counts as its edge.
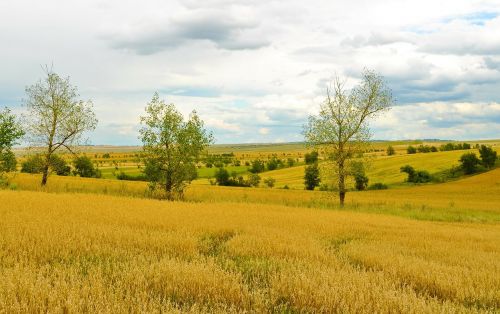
(223, 30)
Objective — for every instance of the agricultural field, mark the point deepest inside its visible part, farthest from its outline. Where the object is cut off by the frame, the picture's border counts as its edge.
(97, 253)
(103, 245)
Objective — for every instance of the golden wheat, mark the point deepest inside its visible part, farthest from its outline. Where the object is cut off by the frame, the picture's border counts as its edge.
(96, 253)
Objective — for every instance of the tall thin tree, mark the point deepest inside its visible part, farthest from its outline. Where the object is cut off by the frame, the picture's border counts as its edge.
(341, 131)
(56, 118)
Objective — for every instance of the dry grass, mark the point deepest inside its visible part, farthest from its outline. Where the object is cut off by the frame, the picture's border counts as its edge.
(96, 253)
(472, 199)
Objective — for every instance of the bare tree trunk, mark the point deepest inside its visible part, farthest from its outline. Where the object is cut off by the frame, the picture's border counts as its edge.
(341, 182)
(341, 189)
(45, 174)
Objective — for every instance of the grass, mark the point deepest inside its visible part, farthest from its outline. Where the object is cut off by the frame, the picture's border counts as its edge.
(475, 198)
(107, 254)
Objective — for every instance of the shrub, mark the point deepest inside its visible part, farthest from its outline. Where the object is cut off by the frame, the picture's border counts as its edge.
(222, 177)
(272, 164)
(390, 151)
(8, 161)
(378, 186)
(411, 150)
(85, 168)
(59, 165)
(414, 176)
(361, 182)
(469, 162)
(311, 176)
(290, 162)
(35, 164)
(311, 158)
(270, 182)
(123, 176)
(488, 156)
(257, 166)
(254, 180)
(360, 178)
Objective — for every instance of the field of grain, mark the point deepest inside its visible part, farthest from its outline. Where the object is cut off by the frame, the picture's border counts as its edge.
(475, 198)
(97, 253)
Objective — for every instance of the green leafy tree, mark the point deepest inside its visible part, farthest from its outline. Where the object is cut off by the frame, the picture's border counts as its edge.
(469, 162)
(311, 158)
(10, 133)
(84, 167)
(56, 118)
(341, 131)
(311, 176)
(488, 156)
(257, 166)
(172, 146)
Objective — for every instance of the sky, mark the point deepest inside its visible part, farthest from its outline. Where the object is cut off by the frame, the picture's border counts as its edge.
(255, 70)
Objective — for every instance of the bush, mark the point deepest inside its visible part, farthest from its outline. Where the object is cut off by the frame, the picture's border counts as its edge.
(414, 176)
(270, 182)
(378, 186)
(360, 178)
(488, 156)
(311, 158)
(223, 178)
(390, 151)
(85, 168)
(8, 161)
(469, 163)
(257, 166)
(35, 164)
(290, 162)
(272, 164)
(361, 182)
(60, 166)
(123, 176)
(411, 150)
(254, 180)
(311, 176)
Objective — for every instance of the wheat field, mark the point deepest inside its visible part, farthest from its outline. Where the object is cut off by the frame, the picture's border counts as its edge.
(97, 253)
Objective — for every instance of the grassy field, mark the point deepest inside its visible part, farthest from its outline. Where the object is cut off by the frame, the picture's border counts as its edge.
(97, 253)
(475, 198)
(101, 245)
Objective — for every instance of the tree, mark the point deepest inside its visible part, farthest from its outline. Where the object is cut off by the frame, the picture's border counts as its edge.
(10, 132)
(488, 156)
(270, 182)
(172, 146)
(85, 168)
(311, 176)
(360, 178)
(311, 158)
(390, 151)
(56, 118)
(257, 166)
(341, 130)
(411, 150)
(469, 162)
